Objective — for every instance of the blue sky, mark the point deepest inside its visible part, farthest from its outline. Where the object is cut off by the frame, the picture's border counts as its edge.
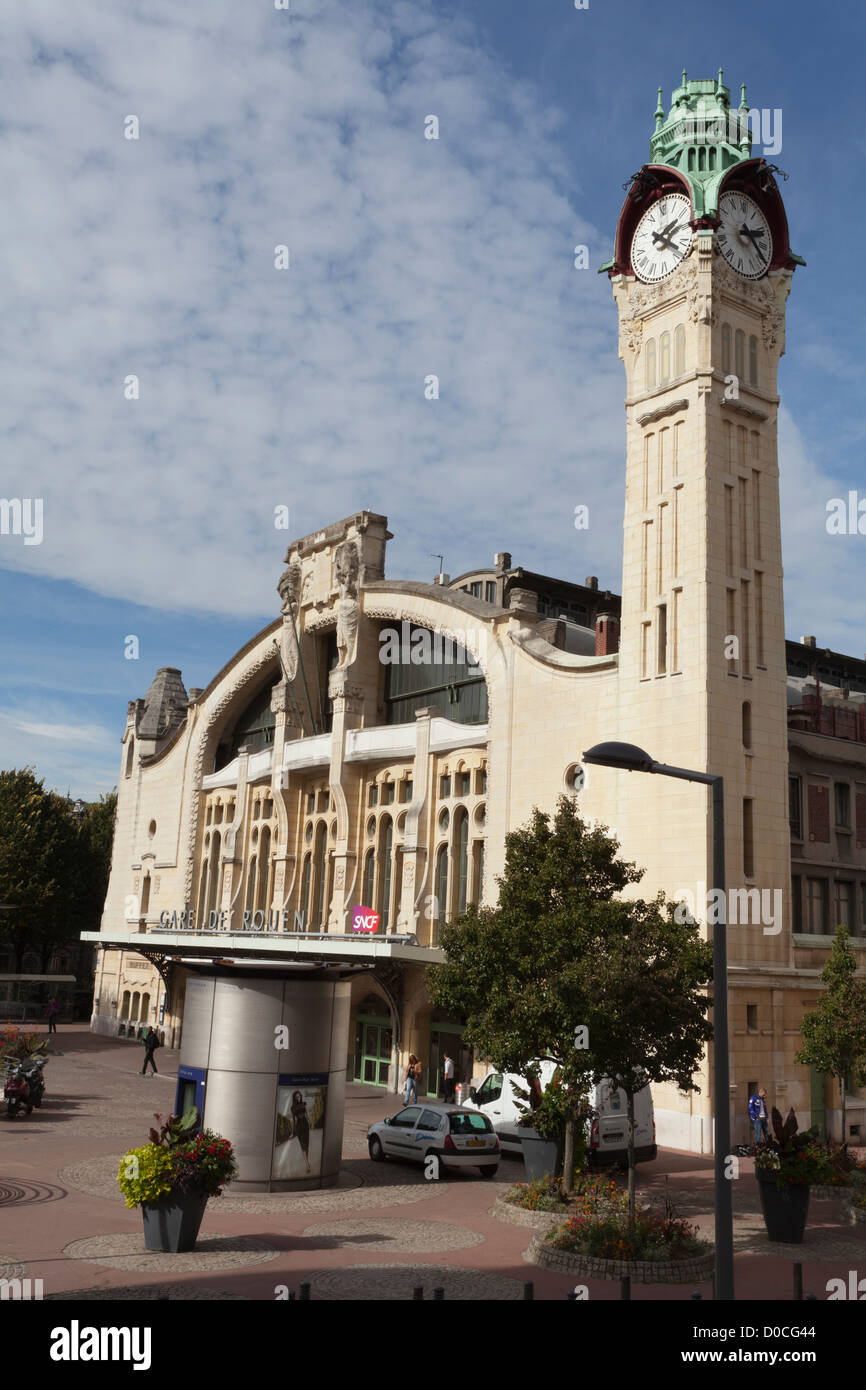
(304, 388)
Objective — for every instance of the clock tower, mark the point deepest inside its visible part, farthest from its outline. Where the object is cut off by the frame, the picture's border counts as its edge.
(701, 273)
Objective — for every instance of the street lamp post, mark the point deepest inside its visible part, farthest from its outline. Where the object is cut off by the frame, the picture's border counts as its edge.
(631, 759)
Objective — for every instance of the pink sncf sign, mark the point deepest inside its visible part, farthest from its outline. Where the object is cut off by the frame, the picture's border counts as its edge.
(364, 919)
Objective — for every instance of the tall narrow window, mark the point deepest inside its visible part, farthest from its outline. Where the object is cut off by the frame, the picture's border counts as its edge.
(731, 619)
(202, 888)
(744, 522)
(747, 724)
(796, 903)
(650, 364)
(678, 428)
(756, 511)
(729, 528)
(662, 647)
(644, 568)
(645, 629)
(740, 354)
(442, 886)
(663, 444)
(842, 914)
(675, 534)
(795, 808)
(304, 903)
(369, 878)
(130, 754)
(660, 550)
(680, 351)
(818, 905)
(726, 349)
(675, 630)
(213, 876)
(251, 873)
(748, 838)
(664, 357)
(386, 841)
(477, 870)
(753, 361)
(760, 658)
(461, 835)
(145, 895)
(746, 632)
(728, 434)
(648, 447)
(264, 869)
(842, 795)
(321, 863)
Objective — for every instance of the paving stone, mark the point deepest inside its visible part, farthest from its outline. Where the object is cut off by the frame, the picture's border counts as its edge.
(427, 1237)
(137, 1293)
(127, 1251)
(385, 1282)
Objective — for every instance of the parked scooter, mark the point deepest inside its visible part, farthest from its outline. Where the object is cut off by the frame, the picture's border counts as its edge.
(25, 1085)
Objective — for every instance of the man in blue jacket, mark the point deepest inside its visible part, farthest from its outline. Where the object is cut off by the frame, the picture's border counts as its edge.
(758, 1114)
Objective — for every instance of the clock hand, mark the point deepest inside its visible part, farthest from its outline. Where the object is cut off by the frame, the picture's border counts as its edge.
(753, 233)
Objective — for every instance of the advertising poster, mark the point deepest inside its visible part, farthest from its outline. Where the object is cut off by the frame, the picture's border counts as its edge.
(300, 1125)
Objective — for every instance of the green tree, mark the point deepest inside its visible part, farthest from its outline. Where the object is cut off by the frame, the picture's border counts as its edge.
(516, 972)
(834, 1033)
(645, 976)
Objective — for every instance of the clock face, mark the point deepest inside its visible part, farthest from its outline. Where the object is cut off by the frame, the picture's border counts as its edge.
(662, 238)
(744, 236)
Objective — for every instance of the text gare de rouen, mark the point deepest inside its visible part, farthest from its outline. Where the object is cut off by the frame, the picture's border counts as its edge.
(218, 919)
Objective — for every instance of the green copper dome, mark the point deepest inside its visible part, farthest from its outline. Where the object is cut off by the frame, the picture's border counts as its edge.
(702, 137)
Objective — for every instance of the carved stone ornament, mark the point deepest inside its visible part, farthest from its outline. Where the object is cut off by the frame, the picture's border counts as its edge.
(289, 589)
(346, 567)
(762, 294)
(339, 876)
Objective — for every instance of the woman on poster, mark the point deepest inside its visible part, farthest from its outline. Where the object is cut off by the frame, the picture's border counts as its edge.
(301, 1125)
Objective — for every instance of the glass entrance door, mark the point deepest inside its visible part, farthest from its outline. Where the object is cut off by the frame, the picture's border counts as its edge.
(374, 1039)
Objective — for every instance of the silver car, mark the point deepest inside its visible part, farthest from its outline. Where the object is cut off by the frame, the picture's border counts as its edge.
(455, 1136)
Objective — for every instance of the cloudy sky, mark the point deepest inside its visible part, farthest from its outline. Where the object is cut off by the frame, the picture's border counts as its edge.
(258, 388)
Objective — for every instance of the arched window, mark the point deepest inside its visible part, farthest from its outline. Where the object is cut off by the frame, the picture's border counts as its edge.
(321, 860)
(264, 869)
(711, 158)
(692, 156)
(136, 1001)
(212, 877)
(477, 870)
(753, 360)
(442, 886)
(664, 357)
(130, 754)
(680, 351)
(304, 904)
(145, 1008)
(369, 878)
(651, 364)
(124, 1006)
(740, 354)
(145, 896)
(726, 349)
(461, 854)
(386, 840)
(702, 158)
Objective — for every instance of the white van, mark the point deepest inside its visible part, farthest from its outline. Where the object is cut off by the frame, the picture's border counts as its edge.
(607, 1136)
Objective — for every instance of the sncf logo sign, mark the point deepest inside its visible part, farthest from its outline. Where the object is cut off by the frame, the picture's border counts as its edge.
(364, 919)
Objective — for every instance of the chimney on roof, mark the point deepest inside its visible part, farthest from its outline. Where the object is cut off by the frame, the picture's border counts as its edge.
(809, 641)
(502, 561)
(606, 634)
(591, 581)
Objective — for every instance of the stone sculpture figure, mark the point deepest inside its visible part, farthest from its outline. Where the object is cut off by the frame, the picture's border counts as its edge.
(289, 588)
(346, 567)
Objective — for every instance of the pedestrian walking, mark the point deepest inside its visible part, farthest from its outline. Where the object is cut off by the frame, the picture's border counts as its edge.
(52, 1011)
(151, 1043)
(449, 1079)
(410, 1080)
(758, 1114)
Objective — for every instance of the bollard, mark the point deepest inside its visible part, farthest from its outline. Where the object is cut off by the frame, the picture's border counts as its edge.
(438, 1293)
(417, 1292)
(528, 1291)
(798, 1282)
(625, 1289)
(305, 1293)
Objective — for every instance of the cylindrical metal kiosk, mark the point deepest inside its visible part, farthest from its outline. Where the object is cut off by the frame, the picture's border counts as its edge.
(263, 1056)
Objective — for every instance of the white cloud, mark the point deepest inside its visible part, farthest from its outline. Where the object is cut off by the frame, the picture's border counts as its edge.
(409, 257)
(84, 758)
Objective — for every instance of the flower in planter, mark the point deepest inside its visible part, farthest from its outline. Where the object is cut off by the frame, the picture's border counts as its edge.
(795, 1158)
(177, 1159)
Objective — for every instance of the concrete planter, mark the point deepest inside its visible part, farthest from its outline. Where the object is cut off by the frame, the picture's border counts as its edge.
(696, 1270)
(172, 1224)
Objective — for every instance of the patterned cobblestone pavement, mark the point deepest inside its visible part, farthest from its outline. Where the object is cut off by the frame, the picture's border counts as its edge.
(136, 1293)
(212, 1252)
(375, 1283)
(420, 1237)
